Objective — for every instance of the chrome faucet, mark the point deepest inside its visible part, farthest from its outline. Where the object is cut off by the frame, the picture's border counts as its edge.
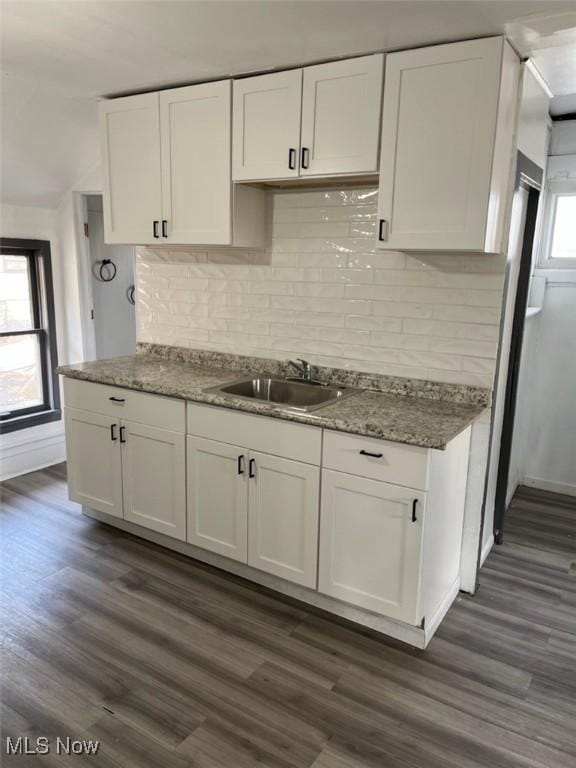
(304, 367)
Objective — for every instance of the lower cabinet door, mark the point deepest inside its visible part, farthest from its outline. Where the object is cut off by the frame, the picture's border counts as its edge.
(153, 472)
(93, 461)
(370, 544)
(283, 518)
(218, 497)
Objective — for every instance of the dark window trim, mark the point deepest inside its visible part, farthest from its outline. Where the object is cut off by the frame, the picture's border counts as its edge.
(42, 289)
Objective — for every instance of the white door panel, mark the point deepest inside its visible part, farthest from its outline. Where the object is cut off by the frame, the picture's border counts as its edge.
(93, 461)
(438, 131)
(283, 518)
(196, 186)
(130, 150)
(341, 107)
(266, 126)
(218, 497)
(370, 545)
(153, 471)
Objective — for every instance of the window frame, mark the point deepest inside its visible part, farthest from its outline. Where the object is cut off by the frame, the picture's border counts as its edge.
(555, 189)
(44, 328)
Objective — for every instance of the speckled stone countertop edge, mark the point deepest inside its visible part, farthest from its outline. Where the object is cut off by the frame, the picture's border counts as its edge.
(353, 415)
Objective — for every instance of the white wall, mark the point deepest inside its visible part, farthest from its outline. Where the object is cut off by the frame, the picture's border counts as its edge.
(40, 446)
(544, 448)
(550, 457)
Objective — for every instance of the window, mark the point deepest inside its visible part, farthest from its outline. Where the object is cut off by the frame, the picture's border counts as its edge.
(559, 240)
(29, 392)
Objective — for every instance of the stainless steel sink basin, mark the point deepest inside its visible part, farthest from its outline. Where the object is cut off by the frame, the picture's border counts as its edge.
(294, 395)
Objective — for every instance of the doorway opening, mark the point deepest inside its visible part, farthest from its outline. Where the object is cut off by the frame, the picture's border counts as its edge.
(111, 308)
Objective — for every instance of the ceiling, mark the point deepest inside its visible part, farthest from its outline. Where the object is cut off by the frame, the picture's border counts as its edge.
(59, 56)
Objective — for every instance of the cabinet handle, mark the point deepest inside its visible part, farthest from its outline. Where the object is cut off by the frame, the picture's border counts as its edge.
(117, 399)
(122, 434)
(113, 432)
(414, 502)
(383, 230)
(372, 455)
(155, 228)
(251, 468)
(164, 227)
(292, 158)
(305, 157)
(241, 464)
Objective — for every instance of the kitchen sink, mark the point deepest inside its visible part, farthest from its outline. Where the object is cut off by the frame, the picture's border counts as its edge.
(293, 395)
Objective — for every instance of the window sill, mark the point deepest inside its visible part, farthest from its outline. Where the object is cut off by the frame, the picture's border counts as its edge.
(31, 420)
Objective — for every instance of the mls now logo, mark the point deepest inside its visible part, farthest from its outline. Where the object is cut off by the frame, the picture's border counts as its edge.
(42, 745)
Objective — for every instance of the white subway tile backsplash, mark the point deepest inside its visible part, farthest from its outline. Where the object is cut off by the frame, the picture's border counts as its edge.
(323, 289)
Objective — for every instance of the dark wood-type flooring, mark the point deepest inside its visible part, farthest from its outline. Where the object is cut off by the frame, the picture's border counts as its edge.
(171, 664)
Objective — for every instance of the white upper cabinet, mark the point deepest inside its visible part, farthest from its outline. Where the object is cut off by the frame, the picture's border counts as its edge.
(167, 171)
(266, 126)
(196, 189)
(130, 148)
(447, 150)
(317, 121)
(341, 117)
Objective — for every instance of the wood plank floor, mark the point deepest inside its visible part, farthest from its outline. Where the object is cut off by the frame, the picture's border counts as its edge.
(172, 664)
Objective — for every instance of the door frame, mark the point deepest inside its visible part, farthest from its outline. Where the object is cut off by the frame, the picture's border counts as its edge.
(529, 176)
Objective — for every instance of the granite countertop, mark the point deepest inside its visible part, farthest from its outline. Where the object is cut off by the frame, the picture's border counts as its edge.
(416, 419)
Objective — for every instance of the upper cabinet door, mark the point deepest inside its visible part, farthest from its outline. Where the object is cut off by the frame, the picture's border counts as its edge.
(196, 187)
(446, 152)
(341, 107)
(130, 149)
(266, 126)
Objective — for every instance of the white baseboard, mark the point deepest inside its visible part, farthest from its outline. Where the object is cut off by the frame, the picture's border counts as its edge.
(549, 485)
(486, 549)
(30, 456)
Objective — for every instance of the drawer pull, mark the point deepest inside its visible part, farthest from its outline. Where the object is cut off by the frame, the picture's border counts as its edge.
(122, 434)
(113, 432)
(372, 455)
(117, 399)
(414, 502)
(252, 468)
(241, 464)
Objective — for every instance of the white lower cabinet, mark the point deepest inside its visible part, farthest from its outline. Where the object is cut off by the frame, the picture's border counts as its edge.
(370, 544)
(218, 497)
(121, 466)
(283, 517)
(255, 508)
(94, 464)
(153, 478)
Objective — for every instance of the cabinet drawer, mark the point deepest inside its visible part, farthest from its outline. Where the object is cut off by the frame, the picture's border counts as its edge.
(396, 463)
(259, 433)
(154, 410)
